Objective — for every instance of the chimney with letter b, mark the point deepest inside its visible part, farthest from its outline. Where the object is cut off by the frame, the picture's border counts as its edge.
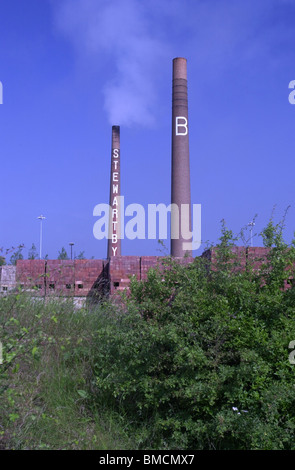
(180, 177)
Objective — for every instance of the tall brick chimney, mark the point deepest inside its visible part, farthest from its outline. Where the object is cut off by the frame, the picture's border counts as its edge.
(114, 241)
(180, 177)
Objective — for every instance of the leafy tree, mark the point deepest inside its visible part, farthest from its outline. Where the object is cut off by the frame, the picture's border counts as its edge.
(80, 255)
(17, 255)
(2, 261)
(62, 254)
(33, 252)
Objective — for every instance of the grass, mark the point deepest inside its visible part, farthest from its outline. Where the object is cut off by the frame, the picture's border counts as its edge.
(45, 379)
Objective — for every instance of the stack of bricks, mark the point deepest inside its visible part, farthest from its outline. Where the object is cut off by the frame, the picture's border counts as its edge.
(60, 277)
(30, 275)
(184, 260)
(80, 278)
(89, 275)
(148, 262)
(120, 270)
(257, 256)
(242, 256)
(238, 260)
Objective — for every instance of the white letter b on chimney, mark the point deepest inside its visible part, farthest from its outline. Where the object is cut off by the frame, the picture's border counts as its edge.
(182, 125)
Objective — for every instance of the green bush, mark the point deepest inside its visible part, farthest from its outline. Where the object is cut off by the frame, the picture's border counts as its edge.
(199, 358)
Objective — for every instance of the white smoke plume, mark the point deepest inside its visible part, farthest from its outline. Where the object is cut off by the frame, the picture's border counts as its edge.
(118, 32)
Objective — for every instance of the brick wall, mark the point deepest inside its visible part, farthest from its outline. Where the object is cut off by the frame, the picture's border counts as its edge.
(30, 275)
(242, 256)
(122, 267)
(148, 262)
(82, 278)
(77, 278)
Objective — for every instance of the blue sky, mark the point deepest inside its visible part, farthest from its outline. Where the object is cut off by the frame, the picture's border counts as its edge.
(71, 69)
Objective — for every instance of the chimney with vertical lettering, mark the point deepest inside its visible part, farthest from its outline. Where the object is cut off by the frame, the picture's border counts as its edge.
(114, 239)
(180, 177)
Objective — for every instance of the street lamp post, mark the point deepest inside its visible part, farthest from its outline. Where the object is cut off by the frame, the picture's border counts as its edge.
(251, 225)
(41, 218)
(71, 245)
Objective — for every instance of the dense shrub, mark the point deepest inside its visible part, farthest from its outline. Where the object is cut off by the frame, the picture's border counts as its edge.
(199, 358)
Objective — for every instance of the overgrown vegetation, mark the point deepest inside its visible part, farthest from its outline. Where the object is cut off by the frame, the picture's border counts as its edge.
(45, 377)
(196, 357)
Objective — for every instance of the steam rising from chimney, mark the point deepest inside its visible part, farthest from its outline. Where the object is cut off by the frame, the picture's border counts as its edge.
(118, 33)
